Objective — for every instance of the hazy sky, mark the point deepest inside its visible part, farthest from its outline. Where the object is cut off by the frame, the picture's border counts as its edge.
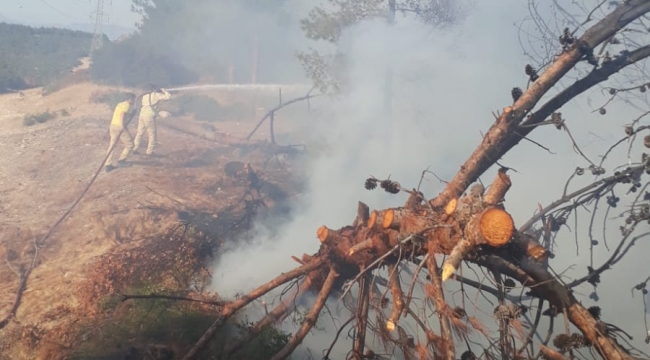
(64, 12)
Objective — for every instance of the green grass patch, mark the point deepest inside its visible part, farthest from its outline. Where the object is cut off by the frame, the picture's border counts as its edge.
(169, 328)
(39, 118)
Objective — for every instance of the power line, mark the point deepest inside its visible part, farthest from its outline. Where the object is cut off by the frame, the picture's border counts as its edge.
(59, 11)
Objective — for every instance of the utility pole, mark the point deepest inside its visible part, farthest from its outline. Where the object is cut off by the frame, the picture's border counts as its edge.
(98, 35)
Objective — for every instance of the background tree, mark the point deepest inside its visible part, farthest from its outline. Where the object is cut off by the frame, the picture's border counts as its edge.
(182, 42)
(328, 21)
(470, 225)
(38, 55)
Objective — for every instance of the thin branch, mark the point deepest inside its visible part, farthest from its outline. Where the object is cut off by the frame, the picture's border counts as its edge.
(232, 307)
(272, 111)
(311, 318)
(171, 297)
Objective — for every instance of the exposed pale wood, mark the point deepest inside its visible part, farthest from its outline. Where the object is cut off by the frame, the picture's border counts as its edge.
(323, 233)
(451, 206)
(393, 218)
(398, 298)
(493, 226)
(372, 219)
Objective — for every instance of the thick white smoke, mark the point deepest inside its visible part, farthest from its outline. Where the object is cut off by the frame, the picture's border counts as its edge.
(446, 87)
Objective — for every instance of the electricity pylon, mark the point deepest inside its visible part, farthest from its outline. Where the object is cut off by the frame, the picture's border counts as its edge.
(98, 36)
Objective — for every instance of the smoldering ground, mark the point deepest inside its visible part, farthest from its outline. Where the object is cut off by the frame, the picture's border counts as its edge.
(446, 86)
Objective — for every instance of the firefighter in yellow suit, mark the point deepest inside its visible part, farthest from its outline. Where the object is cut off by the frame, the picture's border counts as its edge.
(147, 119)
(117, 127)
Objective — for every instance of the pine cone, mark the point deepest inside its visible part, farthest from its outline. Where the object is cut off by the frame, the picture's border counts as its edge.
(578, 341)
(595, 312)
(531, 72)
(529, 69)
(516, 93)
(566, 38)
(468, 355)
(502, 312)
(562, 342)
(390, 186)
(370, 184)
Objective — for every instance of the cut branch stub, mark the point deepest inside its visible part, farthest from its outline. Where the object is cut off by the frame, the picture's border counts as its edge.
(392, 219)
(528, 245)
(366, 244)
(376, 218)
(323, 233)
(493, 226)
(363, 214)
(497, 191)
(372, 219)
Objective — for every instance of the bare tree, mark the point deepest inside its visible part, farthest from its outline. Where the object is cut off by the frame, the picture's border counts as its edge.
(327, 23)
(470, 225)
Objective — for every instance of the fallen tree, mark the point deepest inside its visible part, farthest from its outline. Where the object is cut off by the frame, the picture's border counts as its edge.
(471, 226)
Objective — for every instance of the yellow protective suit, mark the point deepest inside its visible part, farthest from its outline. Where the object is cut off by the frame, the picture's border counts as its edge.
(117, 124)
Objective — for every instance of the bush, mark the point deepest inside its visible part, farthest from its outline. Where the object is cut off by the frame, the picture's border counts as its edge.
(33, 119)
(168, 328)
(51, 87)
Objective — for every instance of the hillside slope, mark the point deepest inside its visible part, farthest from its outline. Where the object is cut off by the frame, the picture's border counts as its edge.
(38, 56)
(44, 168)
